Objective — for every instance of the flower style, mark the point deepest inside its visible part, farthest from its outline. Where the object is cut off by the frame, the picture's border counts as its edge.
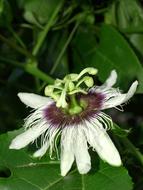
(73, 114)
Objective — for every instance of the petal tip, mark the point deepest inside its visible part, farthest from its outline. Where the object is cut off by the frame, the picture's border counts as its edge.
(24, 97)
(37, 154)
(113, 72)
(63, 173)
(13, 145)
(21, 94)
(84, 169)
(116, 161)
(132, 90)
(117, 164)
(135, 83)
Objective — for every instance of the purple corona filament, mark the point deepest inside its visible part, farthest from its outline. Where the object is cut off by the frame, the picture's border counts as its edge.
(58, 117)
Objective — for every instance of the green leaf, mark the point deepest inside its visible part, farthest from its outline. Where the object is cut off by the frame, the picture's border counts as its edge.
(137, 41)
(127, 15)
(119, 131)
(33, 174)
(114, 52)
(111, 52)
(38, 11)
(5, 13)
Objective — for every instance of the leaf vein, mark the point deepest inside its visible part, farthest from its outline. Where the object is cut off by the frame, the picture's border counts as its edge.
(30, 183)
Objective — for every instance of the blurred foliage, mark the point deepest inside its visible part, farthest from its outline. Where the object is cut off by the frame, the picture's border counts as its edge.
(42, 40)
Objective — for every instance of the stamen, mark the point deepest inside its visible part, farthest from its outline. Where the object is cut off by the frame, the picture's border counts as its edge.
(77, 91)
(89, 81)
(71, 86)
(62, 101)
(89, 70)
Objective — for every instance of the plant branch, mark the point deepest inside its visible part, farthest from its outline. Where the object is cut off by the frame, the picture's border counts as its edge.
(43, 33)
(31, 69)
(17, 48)
(18, 39)
(64, 48)
(133, 149)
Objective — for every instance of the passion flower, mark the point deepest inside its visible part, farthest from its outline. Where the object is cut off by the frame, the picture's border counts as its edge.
(73, 114)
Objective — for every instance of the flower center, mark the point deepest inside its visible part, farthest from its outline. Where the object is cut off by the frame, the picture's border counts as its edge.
(76, 107)
(70, 86)
(80, 108)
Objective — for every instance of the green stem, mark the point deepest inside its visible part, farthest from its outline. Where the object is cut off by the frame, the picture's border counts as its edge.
(43, 34)
(133, 149)
(17, 48)
(64, 49)
(31, 69)
(18, 39)
(12, 62)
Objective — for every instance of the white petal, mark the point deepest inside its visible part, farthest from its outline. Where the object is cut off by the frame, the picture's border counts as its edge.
(118, 99)
(42, 150)
(103, 145)
(27, 137)
(131, 91)
(67, 159)
(67, 155)
(33, 100)
(111, 80)
(81, 152)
